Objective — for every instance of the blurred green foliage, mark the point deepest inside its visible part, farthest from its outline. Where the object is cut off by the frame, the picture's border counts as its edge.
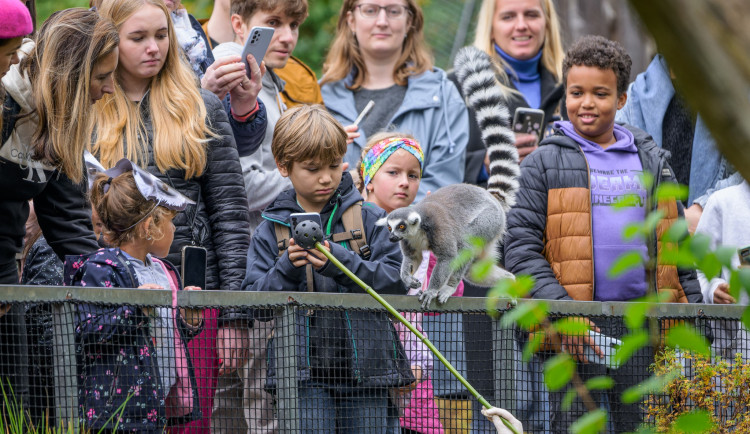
(441, 22)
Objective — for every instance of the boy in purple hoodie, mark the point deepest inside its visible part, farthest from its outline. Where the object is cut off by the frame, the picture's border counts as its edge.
(565, 232)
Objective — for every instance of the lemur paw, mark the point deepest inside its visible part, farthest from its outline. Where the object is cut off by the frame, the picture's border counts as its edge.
(411, 281)
(445, 293)
(426, 297)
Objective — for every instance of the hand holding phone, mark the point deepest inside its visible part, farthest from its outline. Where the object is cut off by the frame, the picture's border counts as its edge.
(608, 346)
(193, 271)
(256, 44)
(529, 121)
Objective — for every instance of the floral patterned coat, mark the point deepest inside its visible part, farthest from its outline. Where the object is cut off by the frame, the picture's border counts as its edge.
(115, 353)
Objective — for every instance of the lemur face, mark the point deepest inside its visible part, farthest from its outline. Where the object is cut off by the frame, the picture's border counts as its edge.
(402, 224)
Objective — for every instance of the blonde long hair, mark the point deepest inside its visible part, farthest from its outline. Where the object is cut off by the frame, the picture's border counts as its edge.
(344, 54)
(552, 50)
(68, 46)
(178, 112)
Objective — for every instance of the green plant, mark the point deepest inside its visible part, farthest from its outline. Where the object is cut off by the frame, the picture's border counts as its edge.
(15, 420)
(710, 392)
(673, 403)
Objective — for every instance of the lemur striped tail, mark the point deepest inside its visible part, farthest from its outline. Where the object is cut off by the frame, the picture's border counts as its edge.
(476, 74)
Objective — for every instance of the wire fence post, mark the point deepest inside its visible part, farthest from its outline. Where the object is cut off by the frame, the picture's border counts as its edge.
(504, 361)
(64, 365)
(286, 367)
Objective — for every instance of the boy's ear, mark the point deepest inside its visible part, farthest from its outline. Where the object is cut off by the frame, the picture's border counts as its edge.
(238, 27)
(282, 169)
(382, 222)
(621, 100)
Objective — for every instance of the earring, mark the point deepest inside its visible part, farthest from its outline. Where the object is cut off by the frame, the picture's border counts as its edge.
(148, 238)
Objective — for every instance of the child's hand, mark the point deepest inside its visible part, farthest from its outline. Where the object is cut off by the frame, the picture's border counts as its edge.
(192, 316)
(297, 255)
(721, 295)
(149, 310)
(316, 258)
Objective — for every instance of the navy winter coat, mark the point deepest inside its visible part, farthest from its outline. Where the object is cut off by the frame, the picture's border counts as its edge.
(115, 354)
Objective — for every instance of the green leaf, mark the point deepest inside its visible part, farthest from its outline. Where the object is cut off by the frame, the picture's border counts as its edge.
(558, 371)
(735, 284)
(481, 269)
(685, 257)
(744, 274)
(700, 245)
(567, 401)
(626, 262)
(592, 422)
(602, 382)
(631, 231)
(653, 384)
(710, 266)
(627, 201)
(688, 338)
(464, 257)
(631, 343)
(746, 317)
(635, 314)
(676, 231)
(572, 326)
(671, 191)
(725, 254)
(652, 219)
(526, 315)
(532, 345)
(696, 421)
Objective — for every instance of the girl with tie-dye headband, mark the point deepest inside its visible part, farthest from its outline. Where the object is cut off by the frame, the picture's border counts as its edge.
(390, 173)
(390, 170)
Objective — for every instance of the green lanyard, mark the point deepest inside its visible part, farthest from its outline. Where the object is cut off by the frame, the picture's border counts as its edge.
(330, 219)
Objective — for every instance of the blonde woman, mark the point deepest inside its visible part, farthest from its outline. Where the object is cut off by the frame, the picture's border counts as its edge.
(46, 127)
(160, 119)
(523, 39)
(379, 54)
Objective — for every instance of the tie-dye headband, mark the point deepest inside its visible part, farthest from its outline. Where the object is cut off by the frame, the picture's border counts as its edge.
(377, 155)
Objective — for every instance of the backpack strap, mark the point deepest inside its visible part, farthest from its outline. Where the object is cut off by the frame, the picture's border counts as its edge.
(354, 231)
(282, 241)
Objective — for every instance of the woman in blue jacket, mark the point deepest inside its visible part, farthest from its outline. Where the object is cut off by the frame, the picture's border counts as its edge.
(379, 54)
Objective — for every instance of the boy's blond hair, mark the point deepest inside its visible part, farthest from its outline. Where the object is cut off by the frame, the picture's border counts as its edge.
(307, 132)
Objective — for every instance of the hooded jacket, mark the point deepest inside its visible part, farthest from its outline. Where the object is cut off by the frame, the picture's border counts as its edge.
(345, 348)
(61, 206)
(549, 229)
(115, 353)
(219, 220)
(432, 111)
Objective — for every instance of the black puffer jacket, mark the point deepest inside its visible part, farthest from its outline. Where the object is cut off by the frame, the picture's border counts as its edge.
(221, 224)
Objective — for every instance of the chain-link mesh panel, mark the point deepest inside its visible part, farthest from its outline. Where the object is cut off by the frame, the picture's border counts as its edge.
(336, 363)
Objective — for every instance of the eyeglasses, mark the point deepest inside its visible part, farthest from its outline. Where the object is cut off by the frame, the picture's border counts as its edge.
(370, 10)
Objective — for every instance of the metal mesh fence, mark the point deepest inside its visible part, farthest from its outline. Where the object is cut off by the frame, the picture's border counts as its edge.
(125, 360)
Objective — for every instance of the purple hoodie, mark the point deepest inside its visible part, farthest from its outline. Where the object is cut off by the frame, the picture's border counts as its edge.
(614, 173)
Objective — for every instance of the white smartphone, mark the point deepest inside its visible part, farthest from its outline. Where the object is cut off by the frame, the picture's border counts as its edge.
(529, 121)
(608, 345)
(256, 44)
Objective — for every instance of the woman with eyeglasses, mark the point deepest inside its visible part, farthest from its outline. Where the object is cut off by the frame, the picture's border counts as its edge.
(379, 54)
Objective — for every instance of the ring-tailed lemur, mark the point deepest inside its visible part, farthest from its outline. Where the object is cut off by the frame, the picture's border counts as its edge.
(444, 221)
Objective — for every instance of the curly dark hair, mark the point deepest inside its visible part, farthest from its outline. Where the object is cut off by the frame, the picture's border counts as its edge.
(599, 52)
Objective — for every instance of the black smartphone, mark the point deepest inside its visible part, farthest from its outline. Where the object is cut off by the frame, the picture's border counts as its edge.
(256, 44)
(744, 254)
(194, 266)
(529, 121)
